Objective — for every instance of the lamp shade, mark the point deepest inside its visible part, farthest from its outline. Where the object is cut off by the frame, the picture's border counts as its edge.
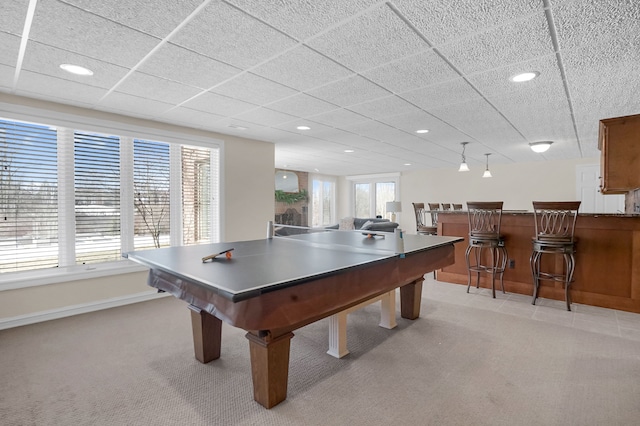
(394, 207)
(541, 146)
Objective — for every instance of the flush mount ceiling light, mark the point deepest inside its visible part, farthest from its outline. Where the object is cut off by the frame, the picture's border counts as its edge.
(541, 146)
(76, 69)
(487, 173)
(525, 76)
(422, 131)
(463, 165)
(303, 128)
(349, 150)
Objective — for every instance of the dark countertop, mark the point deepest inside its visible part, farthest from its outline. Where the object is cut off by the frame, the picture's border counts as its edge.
(516, 212)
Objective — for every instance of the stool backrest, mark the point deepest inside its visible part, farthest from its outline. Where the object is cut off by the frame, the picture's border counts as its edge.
(555, 220)
(484, 218)
(433, 210)
(446, 206)
(457, 206)
(418, 209)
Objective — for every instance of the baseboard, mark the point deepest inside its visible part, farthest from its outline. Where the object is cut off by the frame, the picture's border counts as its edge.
(84, 308)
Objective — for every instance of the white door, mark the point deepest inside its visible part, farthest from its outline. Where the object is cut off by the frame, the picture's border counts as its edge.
(588, 191)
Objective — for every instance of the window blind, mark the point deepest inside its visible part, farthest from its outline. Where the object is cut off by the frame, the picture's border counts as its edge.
(97, 197)
(28, 196)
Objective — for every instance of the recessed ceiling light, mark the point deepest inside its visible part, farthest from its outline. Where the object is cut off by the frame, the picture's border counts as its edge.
(349, 150)
(422, 131)
(525, 76)
(76, 69)
(303, 128)
(407, 164)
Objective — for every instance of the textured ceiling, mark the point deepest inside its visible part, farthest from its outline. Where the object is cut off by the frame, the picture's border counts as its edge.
(362, 74)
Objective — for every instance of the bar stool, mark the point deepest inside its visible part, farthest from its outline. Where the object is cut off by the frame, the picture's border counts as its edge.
(555, 224)
(484, 233)
(421, 226)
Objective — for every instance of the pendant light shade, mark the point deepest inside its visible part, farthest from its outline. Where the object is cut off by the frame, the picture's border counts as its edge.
(463, 166)
(487, 173)
(541, 146)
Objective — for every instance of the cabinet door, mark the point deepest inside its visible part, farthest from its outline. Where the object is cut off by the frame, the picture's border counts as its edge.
(619, 141)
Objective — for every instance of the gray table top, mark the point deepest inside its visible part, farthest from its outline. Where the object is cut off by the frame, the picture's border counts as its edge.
(258, 266)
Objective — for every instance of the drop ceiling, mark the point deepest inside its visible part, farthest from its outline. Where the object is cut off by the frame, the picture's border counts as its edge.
(364, 75)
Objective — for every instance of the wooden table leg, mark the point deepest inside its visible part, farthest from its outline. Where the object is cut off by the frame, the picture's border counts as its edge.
(410, 298)
(207, 335)
(269, 367)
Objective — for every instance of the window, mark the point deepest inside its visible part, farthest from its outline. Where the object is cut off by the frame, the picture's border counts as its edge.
(371, 193)
(323, 200)
(151, 191)
(28, 197)
(72, 197)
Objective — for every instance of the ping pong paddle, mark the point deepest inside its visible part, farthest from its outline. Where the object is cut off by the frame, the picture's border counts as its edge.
(227, 254)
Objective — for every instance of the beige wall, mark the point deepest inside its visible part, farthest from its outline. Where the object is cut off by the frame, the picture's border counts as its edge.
(247, 192)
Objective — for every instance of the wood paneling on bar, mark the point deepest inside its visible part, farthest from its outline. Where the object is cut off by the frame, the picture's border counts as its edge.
(607, 259)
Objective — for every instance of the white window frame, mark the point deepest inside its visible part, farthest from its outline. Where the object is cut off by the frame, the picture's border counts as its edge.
(372, 180)
(79, 120)
(323, 178)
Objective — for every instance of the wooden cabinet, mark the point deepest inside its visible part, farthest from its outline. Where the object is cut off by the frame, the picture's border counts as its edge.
(619, 143)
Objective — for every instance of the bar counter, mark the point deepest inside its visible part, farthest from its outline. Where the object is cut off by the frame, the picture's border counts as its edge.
(607, 271)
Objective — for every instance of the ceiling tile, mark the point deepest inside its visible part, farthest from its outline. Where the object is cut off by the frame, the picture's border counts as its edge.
(514, 42)
(254, 89)
(479, 119)
(6, 78)
(14, 13)
(338, 118)
(384, 107)
(302, 69)
(54, 89)
(441, 94)
(135, 106)
(349, 91)
(226, 34)
(218, 104)
(421, 69)
(66, 27)
(192, 117)
(151, 87)
(184, 66)
(375, 130)
(45, 59)
(585, 22)
(265, 117)
(303, 18)
(9, 48)
(439, 131)
(370, 40)
(442, 21)
(302, 105)
(155, 17)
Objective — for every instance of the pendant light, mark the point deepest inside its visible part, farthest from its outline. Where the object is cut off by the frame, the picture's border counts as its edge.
(463, 166)
(487, 173)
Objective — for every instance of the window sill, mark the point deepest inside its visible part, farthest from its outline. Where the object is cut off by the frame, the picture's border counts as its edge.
(17, 280)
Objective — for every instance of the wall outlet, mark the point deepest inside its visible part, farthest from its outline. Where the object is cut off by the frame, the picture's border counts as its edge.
(512, 263)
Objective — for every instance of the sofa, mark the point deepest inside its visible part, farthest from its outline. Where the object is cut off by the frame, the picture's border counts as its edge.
(365, 224)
